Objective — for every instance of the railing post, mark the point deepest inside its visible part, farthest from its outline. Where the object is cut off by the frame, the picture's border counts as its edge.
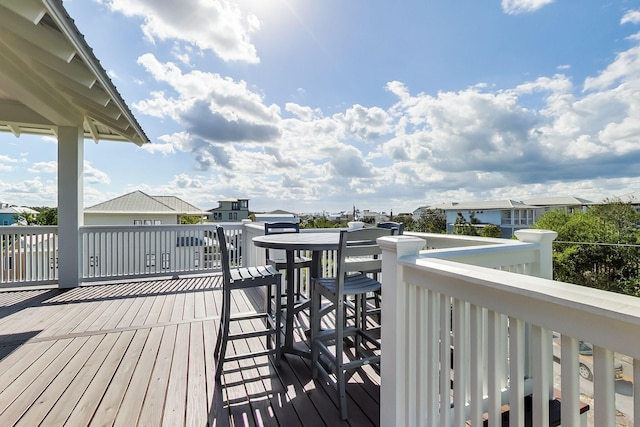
(247, 246)
(542, 344)
(545, 239)
(394, 339)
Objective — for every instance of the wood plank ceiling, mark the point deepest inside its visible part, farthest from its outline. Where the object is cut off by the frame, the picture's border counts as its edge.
(49, 77)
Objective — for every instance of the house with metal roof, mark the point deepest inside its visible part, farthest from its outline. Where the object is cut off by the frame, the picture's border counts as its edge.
(567, 203)
(509, 215)
(230, 210)
(139, 208)
(10, 215)
(631, 198)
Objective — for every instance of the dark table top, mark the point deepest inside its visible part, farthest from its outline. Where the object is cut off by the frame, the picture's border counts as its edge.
(299, 241)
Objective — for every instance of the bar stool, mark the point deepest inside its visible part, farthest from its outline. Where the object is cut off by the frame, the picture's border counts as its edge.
(245, 278)
(351, 280)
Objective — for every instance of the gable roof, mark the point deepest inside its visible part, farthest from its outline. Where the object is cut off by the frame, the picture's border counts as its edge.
(558, 201)
(633, 198)
(280, 212)
(138, 202)
(49, 77)
(179, 205)
(487, 205)
(18, 210)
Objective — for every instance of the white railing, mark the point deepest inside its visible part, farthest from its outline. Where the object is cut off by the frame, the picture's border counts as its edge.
(28, 255)
(113, 253)
(459, 340)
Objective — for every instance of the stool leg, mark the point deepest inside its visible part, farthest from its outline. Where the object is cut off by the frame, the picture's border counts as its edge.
(315, 329)
(339, 368)
(278, 321)
(223, 338)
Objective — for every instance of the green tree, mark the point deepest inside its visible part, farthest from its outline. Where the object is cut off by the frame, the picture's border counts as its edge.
(322, 222)
(491, 230)
(431, 221)
(409, 223)
(462, 227)
(46, 216)
(597, 248)
(25, 218)
(190, 219)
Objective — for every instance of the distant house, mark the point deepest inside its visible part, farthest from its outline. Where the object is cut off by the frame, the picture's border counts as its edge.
(569, 204)
(372, 217)
(138, 208)
(440, 208)
(229, 210)
(509, 215)
(632, 198)
(10, 215)
(277, 216)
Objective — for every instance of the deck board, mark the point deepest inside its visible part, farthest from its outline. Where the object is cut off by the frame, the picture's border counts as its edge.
(141, 353)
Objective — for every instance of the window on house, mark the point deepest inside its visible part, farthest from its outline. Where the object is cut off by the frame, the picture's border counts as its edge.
(244, 204)
(93, 261)
(5, 222)
(235, 206)
(148, 222)
(506, 217)
(137, 222)
(196, 259)
(166, 260)
(150, 260)
(157, 222)
(230, 216)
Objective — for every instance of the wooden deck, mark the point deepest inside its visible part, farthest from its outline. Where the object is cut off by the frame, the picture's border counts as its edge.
(140, 353)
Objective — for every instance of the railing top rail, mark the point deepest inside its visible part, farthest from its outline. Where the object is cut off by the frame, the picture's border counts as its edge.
(452, 253)
(578, 311)
(459, 240)
(150, 227)
(28, 229)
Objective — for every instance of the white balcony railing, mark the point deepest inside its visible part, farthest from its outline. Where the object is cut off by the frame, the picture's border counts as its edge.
(112, 253)
(29, 255)
(460, 339)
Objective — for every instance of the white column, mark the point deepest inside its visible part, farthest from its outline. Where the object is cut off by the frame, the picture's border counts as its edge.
(70, 204)
(393, 372)
(545, 239)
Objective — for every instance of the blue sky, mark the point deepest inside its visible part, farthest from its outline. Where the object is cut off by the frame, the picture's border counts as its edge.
(322, 105)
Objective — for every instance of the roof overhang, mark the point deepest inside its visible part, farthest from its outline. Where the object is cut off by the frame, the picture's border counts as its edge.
(49, 77)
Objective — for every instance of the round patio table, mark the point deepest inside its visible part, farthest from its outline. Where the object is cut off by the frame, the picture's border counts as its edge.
(316, 242)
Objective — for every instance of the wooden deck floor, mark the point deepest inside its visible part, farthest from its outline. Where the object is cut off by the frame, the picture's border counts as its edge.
(140, 353)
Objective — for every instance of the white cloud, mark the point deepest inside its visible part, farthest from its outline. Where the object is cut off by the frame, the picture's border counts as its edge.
(468, 144)
(232, 100)
(44, 167)
(626, 66)
(93, 175)
(214, 25)
(31, 192)
(6, 163)
(515, 7)
(365, 123)
(302, 112)
(632, 16)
